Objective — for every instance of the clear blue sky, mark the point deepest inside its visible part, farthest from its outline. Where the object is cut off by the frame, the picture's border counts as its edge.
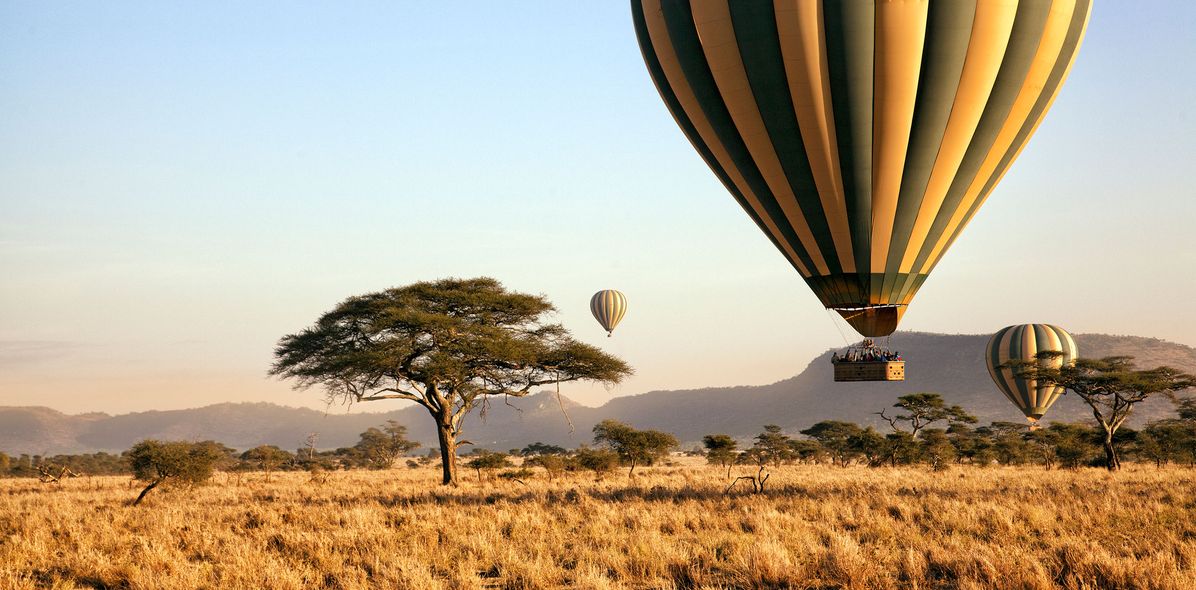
(183, 183)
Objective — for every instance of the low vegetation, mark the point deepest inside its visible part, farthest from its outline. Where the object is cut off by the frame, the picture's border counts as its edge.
(667, 527)
(835, 506)
(910, 441)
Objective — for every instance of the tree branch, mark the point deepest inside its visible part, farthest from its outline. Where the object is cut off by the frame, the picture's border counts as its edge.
(892, 421)
(401, 395)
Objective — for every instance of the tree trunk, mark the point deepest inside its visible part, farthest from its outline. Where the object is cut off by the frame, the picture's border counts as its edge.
(632, 470)
(1112, 463)
(151, 486)
(448, 453)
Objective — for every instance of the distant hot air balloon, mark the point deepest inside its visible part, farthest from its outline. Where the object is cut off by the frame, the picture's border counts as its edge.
(861, 136)
(608, 307)
(1024, 342)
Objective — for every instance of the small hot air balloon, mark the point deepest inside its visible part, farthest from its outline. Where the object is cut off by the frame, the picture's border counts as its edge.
(608, 307)
(1024, 342)
(860, 136)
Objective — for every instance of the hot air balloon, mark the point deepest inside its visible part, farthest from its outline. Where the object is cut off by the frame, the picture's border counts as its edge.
(1024, 342)
(860, 135)
(608, 307)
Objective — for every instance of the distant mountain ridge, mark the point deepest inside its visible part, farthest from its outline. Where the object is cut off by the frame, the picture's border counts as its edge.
(948, 364)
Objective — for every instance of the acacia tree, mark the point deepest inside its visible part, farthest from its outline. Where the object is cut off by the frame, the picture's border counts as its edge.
(837, 438)
(1110, 386)
(159, 462)
(447, 345)
(1008, 441)
(267, 458)
(771, 447)
(599, 460)
(1186, 408)
(924, 409)
(802, 450)
(634, 447)
(1163, 441)
(489, 461)
(936, 448)
(774, 445)
(720, 450)
(1187, 416)
(553, 464)
(381, 447)
(539, 448)
(870, 444)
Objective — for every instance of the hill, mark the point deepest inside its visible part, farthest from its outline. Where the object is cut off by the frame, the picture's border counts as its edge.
(947, 364)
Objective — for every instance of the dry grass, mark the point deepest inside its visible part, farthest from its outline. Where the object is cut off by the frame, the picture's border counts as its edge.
(817, 527)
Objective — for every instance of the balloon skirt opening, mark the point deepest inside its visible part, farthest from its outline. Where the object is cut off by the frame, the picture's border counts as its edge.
(873, 322)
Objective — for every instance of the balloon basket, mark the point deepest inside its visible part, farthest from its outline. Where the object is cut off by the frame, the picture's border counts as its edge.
(846, 371)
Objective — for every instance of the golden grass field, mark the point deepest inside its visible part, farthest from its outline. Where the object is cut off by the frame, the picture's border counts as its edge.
(671, 527)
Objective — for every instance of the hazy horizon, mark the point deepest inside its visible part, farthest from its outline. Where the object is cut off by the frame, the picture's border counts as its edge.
(312, 400)
(184, 184)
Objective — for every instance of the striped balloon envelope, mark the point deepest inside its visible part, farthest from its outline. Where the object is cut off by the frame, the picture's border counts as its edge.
(861, 136)
(1024, 342)
(609, 307)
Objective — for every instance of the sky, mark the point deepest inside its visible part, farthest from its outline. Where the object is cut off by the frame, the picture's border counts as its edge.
(181, 184)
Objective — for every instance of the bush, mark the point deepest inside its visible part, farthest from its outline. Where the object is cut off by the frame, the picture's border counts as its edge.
(521, 473)
(488, 461)
(552, 464)
(159, 462)
(599, 461)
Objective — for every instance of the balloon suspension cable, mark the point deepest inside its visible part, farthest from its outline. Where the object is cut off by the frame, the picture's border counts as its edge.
(561, 403)
(837, 327)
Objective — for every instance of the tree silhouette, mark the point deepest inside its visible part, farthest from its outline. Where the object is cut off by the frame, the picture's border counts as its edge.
(924, 409)
(447, 345)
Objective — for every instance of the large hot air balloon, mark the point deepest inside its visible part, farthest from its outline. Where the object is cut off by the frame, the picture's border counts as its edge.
(1024, 342)
(860, 135)
(608, 307)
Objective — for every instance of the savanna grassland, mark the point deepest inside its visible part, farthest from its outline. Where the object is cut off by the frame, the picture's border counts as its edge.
(669, 527)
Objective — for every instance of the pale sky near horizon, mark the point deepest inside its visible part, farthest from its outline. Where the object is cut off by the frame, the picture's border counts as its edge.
(183, 183)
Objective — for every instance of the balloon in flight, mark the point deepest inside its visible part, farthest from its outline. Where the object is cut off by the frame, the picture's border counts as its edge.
(1024, 342)
(861, 136)
(608, 307)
